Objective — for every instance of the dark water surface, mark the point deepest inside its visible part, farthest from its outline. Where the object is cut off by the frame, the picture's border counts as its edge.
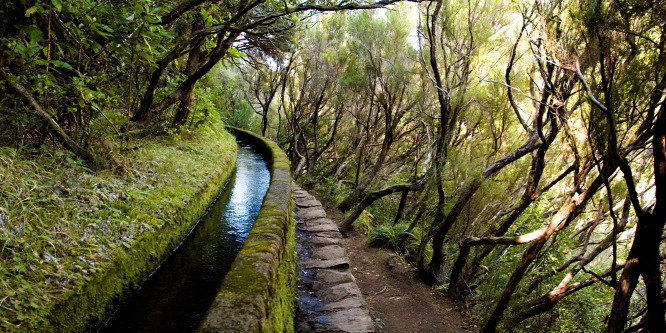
(178, 294)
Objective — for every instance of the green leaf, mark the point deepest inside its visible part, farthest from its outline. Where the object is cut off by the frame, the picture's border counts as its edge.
(30, 11)
(57, 5)
(36, 34)
(61, 64)
(234, 53)
(106, 27)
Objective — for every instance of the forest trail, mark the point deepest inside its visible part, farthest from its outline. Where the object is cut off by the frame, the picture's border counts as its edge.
(398, 302)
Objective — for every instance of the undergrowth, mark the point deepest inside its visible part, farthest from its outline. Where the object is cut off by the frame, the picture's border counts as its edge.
(396, 237)
(60, 221)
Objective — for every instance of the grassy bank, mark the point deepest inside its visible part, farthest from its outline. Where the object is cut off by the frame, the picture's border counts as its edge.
(72, 241)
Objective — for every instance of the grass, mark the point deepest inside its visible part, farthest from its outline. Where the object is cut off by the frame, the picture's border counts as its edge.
(60, 222)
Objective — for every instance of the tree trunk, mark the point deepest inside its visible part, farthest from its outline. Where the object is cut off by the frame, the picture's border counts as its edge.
(401, 207)
(146, 108)
(550, 299)
(370, 198)
(457, 282)
(566, 213)
(264, 121)
(142, 114)
(643, 257)
(464, 198)
(183, 112)
(179, 9)
(357, 195)
(445, 226)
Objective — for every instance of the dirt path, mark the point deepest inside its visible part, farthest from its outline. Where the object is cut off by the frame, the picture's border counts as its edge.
(398, 302)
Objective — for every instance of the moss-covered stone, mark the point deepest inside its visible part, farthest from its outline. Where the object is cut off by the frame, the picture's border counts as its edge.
(258, 293)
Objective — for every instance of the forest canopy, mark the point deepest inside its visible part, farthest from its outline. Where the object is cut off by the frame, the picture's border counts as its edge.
(513, 151)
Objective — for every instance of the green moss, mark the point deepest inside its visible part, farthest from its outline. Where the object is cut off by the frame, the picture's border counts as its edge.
(281, 319)
(93, 301)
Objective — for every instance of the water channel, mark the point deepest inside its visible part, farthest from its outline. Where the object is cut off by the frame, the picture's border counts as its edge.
(179, 292)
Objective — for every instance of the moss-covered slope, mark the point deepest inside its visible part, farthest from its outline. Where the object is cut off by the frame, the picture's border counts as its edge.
(73, 242)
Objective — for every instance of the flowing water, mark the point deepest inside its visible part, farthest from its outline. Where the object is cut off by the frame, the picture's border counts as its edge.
(179, 292)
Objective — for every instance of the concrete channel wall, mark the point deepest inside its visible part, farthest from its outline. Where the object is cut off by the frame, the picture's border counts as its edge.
(258, 293)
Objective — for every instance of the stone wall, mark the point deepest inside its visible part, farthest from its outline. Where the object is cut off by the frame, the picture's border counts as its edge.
(258, 293)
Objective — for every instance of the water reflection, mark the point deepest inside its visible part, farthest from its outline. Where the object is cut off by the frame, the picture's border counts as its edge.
(175, 298)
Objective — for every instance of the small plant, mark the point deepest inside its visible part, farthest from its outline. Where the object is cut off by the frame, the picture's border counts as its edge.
(395, 237)
(379, 323)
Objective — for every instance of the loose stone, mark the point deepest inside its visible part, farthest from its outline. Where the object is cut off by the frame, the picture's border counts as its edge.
(308, 203)
(310, 213)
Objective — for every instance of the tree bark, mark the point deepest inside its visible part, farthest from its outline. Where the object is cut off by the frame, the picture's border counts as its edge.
(179, 9)
(456, 282)
(643, 257)
(401, 207)
(193, 59)
(564, 288)
(370, 198)
(449, 220)
(549, 300)
(357, 195)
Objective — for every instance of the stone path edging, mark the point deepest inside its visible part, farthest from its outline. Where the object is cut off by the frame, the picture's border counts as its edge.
(329, 300)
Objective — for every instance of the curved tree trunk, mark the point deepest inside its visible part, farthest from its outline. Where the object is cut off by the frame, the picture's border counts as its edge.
(456, 282)
(565, 287)
(358, 193)
(549, 300)
(147, 109)
(370, 198)
(183, 112)
(446, 222)
(401, 207)
(643, 257)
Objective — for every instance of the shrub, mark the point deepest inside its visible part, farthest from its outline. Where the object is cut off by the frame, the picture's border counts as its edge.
(393, 236)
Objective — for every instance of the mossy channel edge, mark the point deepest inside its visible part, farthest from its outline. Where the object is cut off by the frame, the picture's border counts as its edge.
(258, 293)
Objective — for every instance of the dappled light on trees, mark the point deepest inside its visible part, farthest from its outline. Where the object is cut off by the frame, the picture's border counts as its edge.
(505, 149)
(514, 152)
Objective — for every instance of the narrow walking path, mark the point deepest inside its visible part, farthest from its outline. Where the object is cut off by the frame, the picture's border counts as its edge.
(397, 300)
(329, 300)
